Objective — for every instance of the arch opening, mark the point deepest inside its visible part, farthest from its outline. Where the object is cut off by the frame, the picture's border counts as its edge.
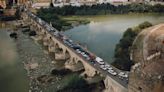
(67, 55)
(58, 49)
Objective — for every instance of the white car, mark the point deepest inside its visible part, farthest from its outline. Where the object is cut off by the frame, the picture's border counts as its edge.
(110, 68)
(103, 67)
(110, 71)
(99, 60)
(122, 74)
(78, 51)
(114, 73)
(107, 66)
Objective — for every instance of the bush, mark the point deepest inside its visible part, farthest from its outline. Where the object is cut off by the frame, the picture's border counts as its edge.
(32, 33)
(122, 49)
(13, 35)
(61, 72)
(74, 83)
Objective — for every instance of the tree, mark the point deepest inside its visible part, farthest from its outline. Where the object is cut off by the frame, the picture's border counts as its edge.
(74, 83)
(122, 49)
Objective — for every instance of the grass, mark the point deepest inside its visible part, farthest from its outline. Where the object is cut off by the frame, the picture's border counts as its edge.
(75, 19)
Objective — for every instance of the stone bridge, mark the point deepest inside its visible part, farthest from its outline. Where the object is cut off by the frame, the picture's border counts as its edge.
(73, 61)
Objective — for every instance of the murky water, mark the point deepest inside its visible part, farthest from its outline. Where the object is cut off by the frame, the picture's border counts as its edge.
(12, 75)
(104, 32)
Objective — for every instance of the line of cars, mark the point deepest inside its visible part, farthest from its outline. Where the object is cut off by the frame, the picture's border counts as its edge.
(79, 50)
(105, 66)
(109, 69)
(91, 58)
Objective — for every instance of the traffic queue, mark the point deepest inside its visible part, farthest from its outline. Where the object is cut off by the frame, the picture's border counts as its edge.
(79, 50)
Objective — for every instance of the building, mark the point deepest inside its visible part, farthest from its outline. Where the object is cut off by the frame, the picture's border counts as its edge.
(41, 3)
(2, 3)
(8, 3)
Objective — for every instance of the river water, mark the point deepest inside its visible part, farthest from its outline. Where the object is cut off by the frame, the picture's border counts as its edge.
(103, 32)
(13, 77)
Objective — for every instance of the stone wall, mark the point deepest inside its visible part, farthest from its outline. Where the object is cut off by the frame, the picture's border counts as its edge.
(112, 86)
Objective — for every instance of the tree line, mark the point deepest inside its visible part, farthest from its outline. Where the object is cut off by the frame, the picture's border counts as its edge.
(101, 9)
(52, 14)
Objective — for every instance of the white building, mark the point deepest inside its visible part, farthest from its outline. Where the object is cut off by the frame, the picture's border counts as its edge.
(41, 3)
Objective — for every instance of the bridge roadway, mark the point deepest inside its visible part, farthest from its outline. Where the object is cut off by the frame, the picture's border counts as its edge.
(51, 30)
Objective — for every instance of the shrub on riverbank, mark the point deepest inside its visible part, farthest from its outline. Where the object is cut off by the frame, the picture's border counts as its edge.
(13, 35)
(32, 33)
(61, 72)
(122, 49)
(55, 20)
(74, 83)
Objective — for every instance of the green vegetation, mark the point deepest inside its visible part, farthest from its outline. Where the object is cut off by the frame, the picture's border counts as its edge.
(74, 83)
(55, 14)
(122, 50)
(55, 20)
(61, 72)
(58, 21)
(103, 9)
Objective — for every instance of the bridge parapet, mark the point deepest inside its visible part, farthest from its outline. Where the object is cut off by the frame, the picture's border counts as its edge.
(113, 86)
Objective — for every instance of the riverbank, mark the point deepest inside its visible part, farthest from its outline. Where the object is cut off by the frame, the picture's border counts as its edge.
(54, 14)
(74, 21)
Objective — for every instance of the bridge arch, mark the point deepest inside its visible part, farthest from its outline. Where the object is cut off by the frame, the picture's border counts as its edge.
(67, 55)
(80, 66)
(58, 49)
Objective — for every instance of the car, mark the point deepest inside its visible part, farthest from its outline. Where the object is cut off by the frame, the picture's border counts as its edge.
(67, 39)
(99, 60)
(107, 66)
(122, 74)
(88, 58)
(114, 73)
(56, 34)
(110, 68)
(76, 47)
(103, 67)
(110, 71)
(78, 51)
(92, 61)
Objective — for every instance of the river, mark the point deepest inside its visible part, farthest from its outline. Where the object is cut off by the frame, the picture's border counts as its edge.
(103, 32)
(13, 77)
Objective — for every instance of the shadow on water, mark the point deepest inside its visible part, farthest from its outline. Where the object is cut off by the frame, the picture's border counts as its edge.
(12, 75)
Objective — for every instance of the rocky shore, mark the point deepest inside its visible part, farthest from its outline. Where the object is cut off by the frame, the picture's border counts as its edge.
(36, 62)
